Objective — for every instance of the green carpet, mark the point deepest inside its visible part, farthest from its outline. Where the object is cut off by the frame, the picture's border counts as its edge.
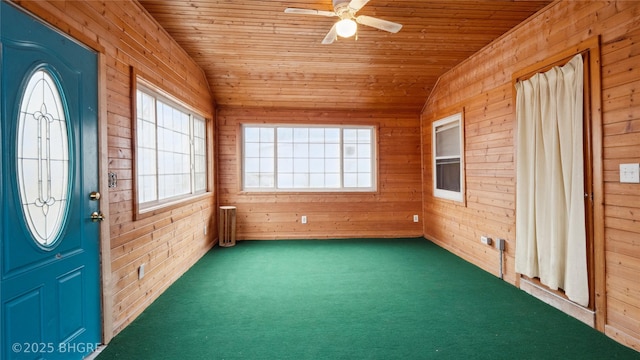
(351, 299)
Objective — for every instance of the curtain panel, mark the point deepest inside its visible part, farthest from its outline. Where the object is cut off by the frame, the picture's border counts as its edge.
(550, 214)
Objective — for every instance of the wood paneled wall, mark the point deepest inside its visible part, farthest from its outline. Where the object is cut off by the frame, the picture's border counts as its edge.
(386, 213)
(482, 86)
(170, 242)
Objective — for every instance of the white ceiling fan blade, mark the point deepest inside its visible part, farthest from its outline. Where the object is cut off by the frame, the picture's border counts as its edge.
(356, 5)
(379, 23)
(309, 12)
(331, 35)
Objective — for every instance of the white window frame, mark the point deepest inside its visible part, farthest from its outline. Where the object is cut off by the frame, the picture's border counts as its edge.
(197, 143)
(371, 163)
(455, 120)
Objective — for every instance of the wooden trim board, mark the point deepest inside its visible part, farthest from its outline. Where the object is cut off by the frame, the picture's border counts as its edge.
(568, 307)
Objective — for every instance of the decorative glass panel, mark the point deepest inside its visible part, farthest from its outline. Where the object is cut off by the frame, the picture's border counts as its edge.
(43, 158)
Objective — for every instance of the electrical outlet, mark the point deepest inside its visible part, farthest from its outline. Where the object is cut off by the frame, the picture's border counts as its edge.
(303, 219)
(141, 271)
(485, 240)
(205, 229)
(415, 218)
(500, 244)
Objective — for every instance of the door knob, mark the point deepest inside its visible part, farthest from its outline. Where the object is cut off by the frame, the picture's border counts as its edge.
(94, 195)
(97, 216)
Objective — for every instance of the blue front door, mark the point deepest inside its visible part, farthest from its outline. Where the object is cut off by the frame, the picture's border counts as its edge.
(49, 242)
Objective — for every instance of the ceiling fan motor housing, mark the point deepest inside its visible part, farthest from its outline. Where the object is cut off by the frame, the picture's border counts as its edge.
(340, 2)
(341, 8)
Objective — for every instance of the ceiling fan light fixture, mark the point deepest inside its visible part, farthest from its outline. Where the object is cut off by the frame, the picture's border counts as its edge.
(346, 28)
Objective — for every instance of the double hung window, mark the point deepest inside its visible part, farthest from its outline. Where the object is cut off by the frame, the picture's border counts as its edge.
(448, 166)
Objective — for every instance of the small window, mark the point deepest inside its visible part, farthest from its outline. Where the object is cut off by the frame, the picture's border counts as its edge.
(319, 158)
(448, 163)
(171, 153)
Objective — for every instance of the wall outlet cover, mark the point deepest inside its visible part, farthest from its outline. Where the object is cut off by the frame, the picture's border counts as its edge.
(630, 173)
(141, 271)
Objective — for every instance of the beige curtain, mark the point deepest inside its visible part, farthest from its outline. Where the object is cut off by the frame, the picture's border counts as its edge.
(550, 216)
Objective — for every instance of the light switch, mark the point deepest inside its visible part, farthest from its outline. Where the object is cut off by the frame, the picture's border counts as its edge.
(630, 173)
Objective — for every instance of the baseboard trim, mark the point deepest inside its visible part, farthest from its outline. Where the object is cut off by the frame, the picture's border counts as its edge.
(622, 337)
(587, 316)
(95, 354)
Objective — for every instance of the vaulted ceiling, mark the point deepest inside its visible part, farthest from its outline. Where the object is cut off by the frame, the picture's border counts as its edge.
(254, 54)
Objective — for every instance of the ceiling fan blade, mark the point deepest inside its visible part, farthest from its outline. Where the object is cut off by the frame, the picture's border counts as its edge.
(309, 12)
(356, 5)
(332, 35)
(379, 23)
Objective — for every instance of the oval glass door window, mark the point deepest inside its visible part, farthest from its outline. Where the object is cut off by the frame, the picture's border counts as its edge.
(43, 158)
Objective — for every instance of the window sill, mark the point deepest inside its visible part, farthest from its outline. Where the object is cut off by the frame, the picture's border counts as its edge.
(309, 192)
(146, 212)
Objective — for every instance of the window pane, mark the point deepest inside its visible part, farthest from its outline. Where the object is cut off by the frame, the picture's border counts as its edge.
(364, 180)
(448, 141)
(364, 151)
(364, 165)
(300, 180)
(350, 151)
(301, 135)
(301, 150)
(285, 150)
(364, 136)
(316, 135)
(267, 180)
(252, 165)
(316, 166)
(148, 107)
(285, 135)
(350, 180)
(332, 151)
(332, 135)
(316, 151)
(251, 135)
(266, 165)
(448, 175)
(201, 181)
(350, 165)
(252, 149)
(266, 135)
(300, 165)
(285, 180)
(285, 165)
(251, 180)
(148, 159)
(332, 165)
(332, 180)
(316, 180)
(350, 136)
(266, 150)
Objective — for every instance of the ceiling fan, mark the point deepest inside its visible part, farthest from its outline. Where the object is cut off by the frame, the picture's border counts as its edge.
(347, 26)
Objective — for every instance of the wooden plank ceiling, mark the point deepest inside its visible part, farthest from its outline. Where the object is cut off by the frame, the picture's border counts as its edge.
(255, 55)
